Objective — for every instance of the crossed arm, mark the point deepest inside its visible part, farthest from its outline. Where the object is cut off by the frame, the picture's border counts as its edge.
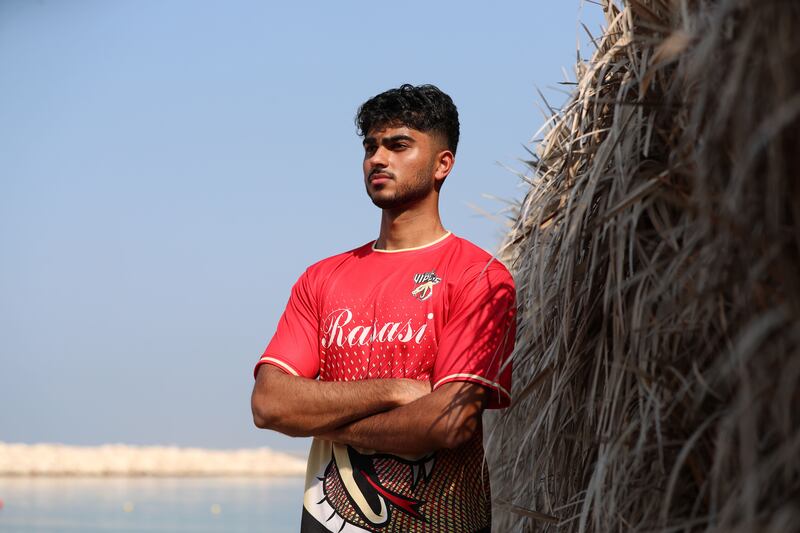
(400, 416)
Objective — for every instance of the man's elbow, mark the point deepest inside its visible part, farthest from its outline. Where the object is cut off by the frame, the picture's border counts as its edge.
(261, 421)
(263, 416)
(267, 416)
(265, 409)
(264, 403)
(461, 419)
(460, 431)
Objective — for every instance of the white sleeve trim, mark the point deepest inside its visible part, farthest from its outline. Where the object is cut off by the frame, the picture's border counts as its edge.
(481, 379)
(279, 363)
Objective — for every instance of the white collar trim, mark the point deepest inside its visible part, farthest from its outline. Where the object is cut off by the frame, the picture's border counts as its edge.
(440, 239)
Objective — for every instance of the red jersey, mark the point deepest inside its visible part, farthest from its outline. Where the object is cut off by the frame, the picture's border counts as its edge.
(441, 312)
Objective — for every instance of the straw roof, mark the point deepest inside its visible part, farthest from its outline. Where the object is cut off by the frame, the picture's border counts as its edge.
(657, 260)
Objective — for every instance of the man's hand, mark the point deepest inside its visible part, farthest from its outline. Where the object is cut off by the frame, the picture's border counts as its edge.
(412, 389)
(301, 407)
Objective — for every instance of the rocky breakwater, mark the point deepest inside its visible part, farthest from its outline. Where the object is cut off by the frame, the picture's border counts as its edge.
(123, 460)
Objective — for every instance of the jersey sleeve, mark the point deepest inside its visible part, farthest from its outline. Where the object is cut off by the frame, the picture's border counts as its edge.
(294, 346)
(478, 337)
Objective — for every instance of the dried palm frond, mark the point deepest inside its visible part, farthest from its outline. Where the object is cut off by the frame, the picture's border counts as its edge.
(657, 260)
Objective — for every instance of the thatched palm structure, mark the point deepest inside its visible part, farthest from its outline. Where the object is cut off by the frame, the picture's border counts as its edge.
(657, 259)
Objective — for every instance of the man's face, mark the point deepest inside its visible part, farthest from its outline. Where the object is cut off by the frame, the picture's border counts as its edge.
(399, 165)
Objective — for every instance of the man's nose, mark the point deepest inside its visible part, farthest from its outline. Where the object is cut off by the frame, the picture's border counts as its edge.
(378, 157)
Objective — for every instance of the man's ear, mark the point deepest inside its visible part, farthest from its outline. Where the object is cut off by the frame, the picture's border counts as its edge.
(444, 164)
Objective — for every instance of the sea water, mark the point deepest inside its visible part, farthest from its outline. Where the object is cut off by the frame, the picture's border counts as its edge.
(270, 505)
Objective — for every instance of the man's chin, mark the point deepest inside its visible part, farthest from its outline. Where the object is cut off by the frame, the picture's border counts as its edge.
(398, 199)
(385, 202)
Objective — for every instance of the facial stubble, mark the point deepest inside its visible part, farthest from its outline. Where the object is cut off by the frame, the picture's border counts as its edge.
(406, 193)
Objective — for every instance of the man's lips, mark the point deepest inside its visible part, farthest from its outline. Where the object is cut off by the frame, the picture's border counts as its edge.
(379, 178)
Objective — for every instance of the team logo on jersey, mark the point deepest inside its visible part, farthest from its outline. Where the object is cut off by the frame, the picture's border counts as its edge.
(367, 489)
(425, 283)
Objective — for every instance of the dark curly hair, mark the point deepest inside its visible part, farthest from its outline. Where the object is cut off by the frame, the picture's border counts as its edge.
(424, 108)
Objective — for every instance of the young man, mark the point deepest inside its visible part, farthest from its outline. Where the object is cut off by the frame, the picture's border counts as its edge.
(387, 354)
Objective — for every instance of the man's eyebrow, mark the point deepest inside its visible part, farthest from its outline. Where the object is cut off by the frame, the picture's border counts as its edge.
(388, 140)
(396, 138)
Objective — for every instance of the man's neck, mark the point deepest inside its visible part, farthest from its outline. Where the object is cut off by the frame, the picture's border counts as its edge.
(409, 229)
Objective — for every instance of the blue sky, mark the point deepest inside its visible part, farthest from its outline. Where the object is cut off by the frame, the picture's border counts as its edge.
(168, 169)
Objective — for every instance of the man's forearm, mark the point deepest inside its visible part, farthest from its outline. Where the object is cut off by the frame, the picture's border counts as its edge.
(445, 418)
(302, 407)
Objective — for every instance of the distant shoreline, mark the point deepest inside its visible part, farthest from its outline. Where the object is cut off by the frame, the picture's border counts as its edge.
(119, 460)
